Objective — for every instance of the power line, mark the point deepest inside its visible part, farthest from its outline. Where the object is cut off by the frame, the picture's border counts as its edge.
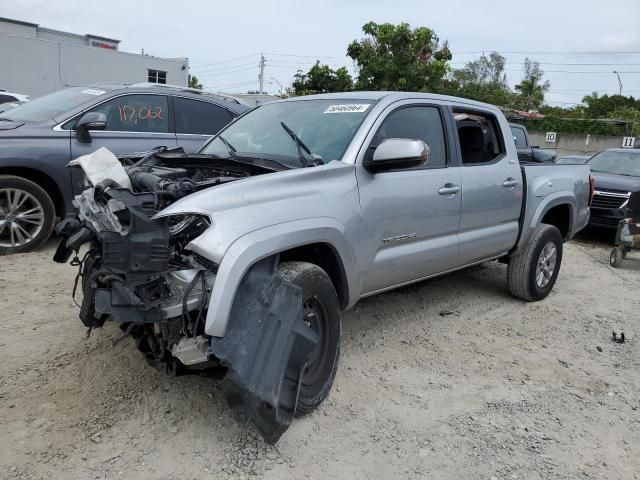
(299, 56)
(237, 84)
(229, 67)
(224, 61)
(216, 74)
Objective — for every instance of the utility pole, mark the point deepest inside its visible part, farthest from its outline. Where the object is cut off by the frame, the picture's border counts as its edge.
(619, 81)
(261, 75)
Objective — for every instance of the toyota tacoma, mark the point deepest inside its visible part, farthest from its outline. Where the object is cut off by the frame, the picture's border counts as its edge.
(238, 261)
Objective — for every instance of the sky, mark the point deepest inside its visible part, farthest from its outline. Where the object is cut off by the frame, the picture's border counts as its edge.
(224, 39)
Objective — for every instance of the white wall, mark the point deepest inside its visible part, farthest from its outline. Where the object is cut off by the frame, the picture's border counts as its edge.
(36, 67)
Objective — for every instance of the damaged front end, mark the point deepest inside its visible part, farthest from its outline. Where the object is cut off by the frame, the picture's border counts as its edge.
(136, 269)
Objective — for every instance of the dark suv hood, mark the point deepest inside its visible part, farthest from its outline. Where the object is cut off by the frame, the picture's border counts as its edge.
(611, 181)
(9, 125)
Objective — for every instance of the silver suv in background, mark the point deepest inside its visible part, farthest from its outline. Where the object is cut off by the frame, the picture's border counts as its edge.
(39, 138)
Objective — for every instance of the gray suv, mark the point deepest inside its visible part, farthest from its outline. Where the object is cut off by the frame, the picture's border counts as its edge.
(39, 138)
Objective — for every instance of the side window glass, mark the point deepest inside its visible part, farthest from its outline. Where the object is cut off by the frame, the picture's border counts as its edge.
(194, 116)
(479, 136)
(416, 123)
(136, 113)
(519, 137)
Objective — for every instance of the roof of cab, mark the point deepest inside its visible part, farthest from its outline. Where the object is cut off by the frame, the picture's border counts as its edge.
(392, 96)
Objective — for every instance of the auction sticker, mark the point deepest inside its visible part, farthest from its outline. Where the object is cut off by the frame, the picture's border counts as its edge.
(348, 108)
(93, 91)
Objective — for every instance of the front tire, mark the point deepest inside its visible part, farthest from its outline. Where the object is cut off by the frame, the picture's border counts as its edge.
(321, 312)
(532, 273)
(27, 215)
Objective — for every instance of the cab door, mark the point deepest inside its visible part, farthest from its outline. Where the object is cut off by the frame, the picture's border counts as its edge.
(136, 124)
(410, 217)
(492, 189)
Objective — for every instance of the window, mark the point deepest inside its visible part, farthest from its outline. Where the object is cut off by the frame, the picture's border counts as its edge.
(479, 136)
(519, 137)
(416, 123)
(136, 113)
(157, 76)
(193, 116)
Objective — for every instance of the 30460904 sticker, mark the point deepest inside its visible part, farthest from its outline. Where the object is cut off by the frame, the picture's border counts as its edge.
(348, 108)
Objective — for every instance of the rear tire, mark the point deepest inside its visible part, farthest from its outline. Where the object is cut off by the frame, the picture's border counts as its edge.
(321, 311)
(532, 272)
(27, 215)
(616, 257)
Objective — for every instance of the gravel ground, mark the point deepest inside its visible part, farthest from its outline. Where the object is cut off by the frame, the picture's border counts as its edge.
(451, 378)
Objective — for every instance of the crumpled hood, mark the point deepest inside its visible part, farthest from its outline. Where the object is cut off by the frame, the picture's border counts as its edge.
(258, 191)
(611, 181)
(244, 206)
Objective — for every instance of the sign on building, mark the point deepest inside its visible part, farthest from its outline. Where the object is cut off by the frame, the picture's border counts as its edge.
(551, 137)
(628, 142)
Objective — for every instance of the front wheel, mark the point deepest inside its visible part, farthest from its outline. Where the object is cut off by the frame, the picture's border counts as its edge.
(533, 271)
(27, 215)
(321, 312)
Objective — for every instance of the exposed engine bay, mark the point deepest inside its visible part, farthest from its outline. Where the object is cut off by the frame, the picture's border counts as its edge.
(137, 271)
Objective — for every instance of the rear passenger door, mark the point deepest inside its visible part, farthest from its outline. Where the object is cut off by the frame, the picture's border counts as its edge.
(491, 186)
(197, 121)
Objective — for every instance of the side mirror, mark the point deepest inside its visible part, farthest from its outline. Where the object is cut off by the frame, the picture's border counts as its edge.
(398, 153)
(90, 121)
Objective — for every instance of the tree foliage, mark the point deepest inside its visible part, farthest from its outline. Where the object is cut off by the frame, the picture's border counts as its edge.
(193, 82)
(395, 57)
(484, 80)
(321, 79)
(531, 89)
(606, 106)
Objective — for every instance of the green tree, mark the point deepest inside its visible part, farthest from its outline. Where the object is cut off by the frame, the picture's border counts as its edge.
(531, 89)
(484, 80)
(193, 82)
(321, 79)
(604, 106)
(395, 57)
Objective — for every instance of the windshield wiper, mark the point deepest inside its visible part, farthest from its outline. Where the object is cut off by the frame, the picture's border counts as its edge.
(230, 147)
(299, 145)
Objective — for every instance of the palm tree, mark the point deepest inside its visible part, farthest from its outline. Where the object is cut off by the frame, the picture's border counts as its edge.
(531, 88)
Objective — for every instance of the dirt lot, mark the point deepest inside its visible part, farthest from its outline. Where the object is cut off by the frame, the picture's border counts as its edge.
(497, 389)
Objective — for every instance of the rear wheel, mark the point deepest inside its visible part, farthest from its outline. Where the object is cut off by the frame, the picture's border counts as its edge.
(617, 254)
(320, 312)
(27, 215)
(532, 273)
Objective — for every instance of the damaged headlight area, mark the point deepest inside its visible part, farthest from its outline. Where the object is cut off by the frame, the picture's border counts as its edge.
(135, 268)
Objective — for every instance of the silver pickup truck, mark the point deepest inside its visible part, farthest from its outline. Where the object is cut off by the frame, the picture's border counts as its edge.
(237, 261)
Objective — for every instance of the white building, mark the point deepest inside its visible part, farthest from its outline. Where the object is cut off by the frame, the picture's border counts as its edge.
(35, 60)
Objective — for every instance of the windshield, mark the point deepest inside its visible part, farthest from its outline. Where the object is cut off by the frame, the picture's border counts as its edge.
(620, 163)
(50, 106)
(326, 127)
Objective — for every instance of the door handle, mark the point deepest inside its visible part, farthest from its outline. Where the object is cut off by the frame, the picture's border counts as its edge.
(449, 189)
(510, 183)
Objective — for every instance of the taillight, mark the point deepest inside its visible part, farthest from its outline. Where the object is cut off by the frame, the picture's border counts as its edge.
(592, 187)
